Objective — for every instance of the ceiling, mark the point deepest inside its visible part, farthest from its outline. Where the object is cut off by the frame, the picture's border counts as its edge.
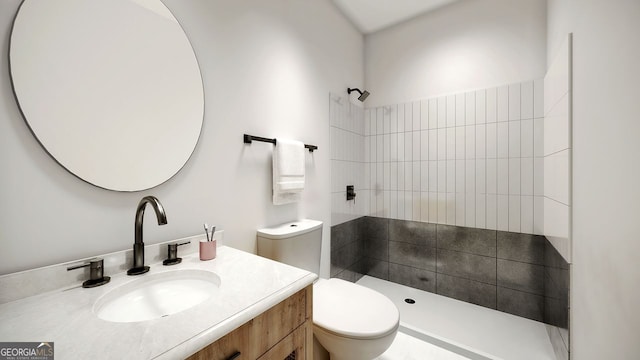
(373, 15)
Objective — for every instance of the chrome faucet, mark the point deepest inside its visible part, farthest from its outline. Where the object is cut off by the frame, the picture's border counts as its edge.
(138, 246)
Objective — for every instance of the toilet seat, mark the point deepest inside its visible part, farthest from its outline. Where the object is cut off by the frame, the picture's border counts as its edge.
(353, 311)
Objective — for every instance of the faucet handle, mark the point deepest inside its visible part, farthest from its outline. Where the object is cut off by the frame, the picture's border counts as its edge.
(172, 254)
(96, 273)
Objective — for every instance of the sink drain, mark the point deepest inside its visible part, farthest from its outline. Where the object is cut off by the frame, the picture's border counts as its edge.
(409, 301)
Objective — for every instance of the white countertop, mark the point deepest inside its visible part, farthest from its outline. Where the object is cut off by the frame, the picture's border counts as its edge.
(249, 285)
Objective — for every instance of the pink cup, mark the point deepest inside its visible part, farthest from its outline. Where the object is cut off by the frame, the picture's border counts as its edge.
(207, 250)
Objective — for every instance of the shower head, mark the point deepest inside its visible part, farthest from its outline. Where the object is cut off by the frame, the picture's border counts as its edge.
(363, 94)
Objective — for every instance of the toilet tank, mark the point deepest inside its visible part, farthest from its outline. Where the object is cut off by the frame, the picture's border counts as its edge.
(296, 243)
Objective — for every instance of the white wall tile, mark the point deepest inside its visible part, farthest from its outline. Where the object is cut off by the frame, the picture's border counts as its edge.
(557, 179)
(514, 102)
(451, 208)
(481, 107)
(503, 212)
(460, 176)
(481, 210)
(401, 174)
(442, 112)
(526, 138)
(514, 176)
(481, 176)
(424, 145)
(416, 145)
(408, 117)
(492, 141)
(424, 175)
(502, 103)
(503, 140)
(433, 144)
(442, 144)
(451, 176)
(416, 206)
(526, 214)
(514, 139)
(401, 145)
(538, 176)
(393, 176)
(408, 205)
(538, 215)
(393, 118)
(393, 147)
(416, 115)
(451, 143)
(380, 122)
(492, 105)
(387, 202)
(386, 147)
(424, 114)
(460, 209)
(408, 146)
(481, 141)
(526, 98)
(380, 148)
(526, 176)
(503, 176)
(470, 176)
(433, 113)
(424, 206)
(386, 176)
(401, 205)
(460, 143)
(442, 208)
(416, 175)
(433, 176)
(470, 142)
(492, 212)
(538, 98)
(442, 176)
(470, 108)
(451, 111)
(393, 204)
(367, 122)
(408, 176)
(538, 137)
(386, 116)
(433, 207)
(460, 110)
(400, 116)
(470, 209)
(492, 176)
(514, 213)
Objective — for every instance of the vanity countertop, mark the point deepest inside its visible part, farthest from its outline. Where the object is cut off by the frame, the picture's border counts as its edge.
(249, 286)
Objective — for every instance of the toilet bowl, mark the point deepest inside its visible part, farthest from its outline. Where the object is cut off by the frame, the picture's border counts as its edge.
(349, 320)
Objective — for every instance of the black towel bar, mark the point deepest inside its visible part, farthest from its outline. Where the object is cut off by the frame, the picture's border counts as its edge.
(249, 138)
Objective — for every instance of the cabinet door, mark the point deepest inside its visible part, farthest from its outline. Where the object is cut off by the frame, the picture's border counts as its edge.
(291, 347)
(228, 346)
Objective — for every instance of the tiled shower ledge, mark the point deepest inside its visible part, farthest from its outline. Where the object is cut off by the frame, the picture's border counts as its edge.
(470, 330)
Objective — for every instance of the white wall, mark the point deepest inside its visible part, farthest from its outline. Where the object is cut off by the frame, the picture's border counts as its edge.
(267, 69)
(471, 159)
(605, 320)
(465, 46)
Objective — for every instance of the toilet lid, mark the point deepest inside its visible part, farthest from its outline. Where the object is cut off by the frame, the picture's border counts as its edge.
(353, 310)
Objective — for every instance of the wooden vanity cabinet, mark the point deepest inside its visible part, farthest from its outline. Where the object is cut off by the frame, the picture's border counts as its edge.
(284, 332)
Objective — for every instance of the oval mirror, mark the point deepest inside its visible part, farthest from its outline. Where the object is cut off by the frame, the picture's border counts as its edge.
(110, 88)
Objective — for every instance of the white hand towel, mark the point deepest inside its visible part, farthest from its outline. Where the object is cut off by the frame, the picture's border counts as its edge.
(288, 171)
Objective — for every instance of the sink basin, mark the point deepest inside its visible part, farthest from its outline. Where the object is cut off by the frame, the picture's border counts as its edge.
(155, 296)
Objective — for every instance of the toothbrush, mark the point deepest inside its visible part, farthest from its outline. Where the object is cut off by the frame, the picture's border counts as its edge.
(213, 231)
(206, 230)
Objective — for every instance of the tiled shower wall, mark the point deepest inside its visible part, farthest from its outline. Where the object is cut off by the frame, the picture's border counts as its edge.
(473, 159)
(516, 273)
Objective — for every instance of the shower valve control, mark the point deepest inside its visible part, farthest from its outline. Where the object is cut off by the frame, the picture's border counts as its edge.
(351, 193)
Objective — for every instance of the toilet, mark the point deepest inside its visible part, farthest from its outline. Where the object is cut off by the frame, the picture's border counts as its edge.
(349, 320)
